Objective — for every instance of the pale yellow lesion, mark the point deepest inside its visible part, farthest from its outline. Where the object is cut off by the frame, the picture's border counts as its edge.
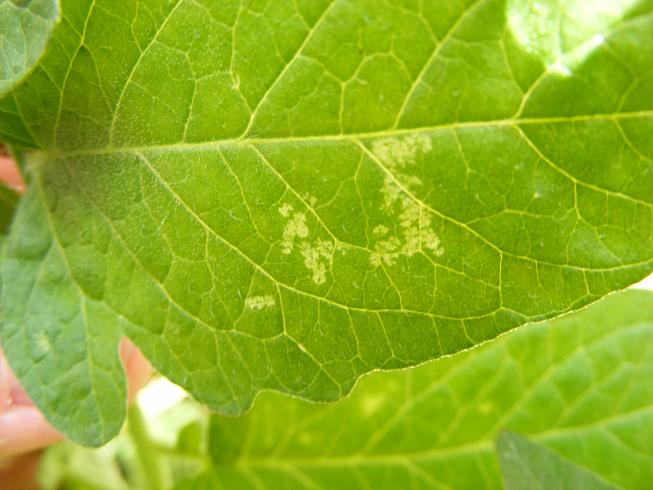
(317, 254)
(372, 403)
(295, 229)
(415, 233)
(399, 152)
(310, 199)
(285, 210)
(316, 258)
(257, 303)
(43, 343)
(380, 230)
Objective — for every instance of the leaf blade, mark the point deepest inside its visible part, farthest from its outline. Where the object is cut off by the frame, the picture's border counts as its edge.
(229, 195)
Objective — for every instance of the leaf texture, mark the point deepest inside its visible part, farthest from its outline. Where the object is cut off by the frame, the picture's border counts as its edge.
(287, 195)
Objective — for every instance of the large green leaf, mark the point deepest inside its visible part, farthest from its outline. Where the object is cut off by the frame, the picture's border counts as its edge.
(529, 466)
(579, 385)
(287, 195)
(25, 28)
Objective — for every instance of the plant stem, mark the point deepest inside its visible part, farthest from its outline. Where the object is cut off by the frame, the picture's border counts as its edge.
(147, 453)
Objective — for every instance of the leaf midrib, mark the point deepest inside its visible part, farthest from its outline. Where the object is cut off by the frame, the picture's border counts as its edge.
(57, 152)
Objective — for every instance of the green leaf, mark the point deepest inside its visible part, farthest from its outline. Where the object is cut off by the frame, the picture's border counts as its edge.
(289, 195)
(529, 466)
(578, 385)
(26, 27)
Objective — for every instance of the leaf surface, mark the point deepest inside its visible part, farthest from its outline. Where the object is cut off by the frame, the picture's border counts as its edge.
(578, 386)
(288, 195)
(26, 27)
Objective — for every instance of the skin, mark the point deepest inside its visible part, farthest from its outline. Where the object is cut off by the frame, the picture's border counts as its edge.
(23, 429)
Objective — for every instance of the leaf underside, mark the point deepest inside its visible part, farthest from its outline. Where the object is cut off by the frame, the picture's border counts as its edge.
(579, 386)
(288, 195)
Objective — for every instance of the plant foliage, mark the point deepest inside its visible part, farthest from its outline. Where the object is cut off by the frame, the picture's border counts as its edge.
(287, 195)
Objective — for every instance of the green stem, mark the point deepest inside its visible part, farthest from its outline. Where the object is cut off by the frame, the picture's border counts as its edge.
(147, 453)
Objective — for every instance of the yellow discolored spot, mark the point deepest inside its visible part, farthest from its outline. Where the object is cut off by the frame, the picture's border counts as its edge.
(311, 200)
(416, 232)
(372, 403)
(285, 210)
(380, 230)
(316, 258)
(259, 302)
(399, 152)
(317, 254)
(295, 228)
(43, 345)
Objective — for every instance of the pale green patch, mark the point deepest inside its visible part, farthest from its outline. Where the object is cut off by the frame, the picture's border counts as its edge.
(295, 228)
(415, 224)
(259, 302)
(380, 230)
(43, 345)
(310, 200)
(285, 210)
(318, 255)
(372, 403)
(317, 258)
(400, 152)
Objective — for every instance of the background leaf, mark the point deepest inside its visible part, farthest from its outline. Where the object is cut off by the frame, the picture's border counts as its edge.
(529, 466)
(289, 195)
(578, 385)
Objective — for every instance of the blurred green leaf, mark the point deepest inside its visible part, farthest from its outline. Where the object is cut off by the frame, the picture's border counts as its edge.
(529, 466)
(579, 386)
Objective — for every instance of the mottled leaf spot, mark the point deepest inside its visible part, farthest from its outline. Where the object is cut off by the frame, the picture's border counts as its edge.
(416, 233)
(316, 258)
(285, 210)
(42, 345)
(371, 403)
(380, 230)
(259, 302)
(318, 255)
(310, 200)
(295, 228)
(399, 152)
